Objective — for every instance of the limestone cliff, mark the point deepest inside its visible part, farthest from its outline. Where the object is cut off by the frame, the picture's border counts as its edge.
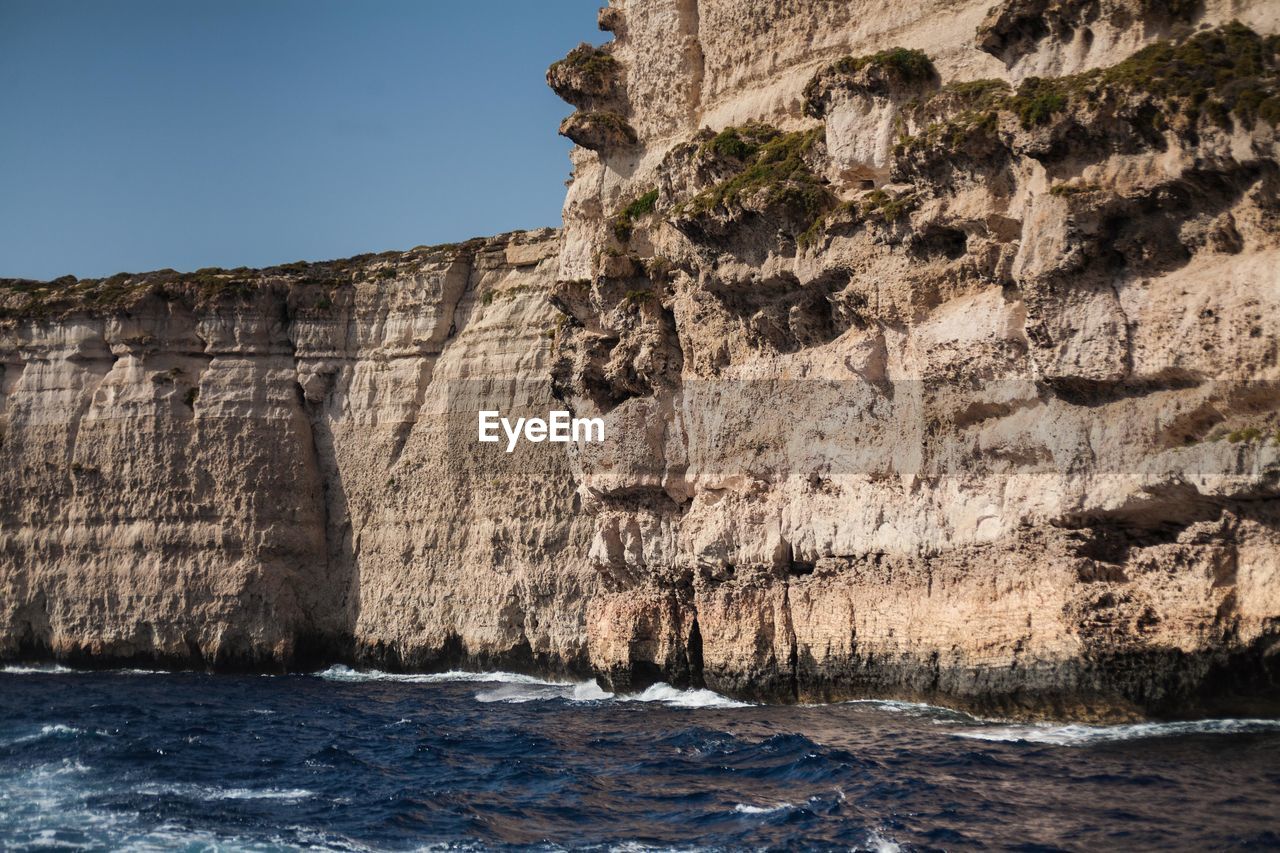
(940, 342)
(937, 345)
(270, 468)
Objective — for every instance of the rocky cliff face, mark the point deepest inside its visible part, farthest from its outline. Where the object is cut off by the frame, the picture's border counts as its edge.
(940, 341)
(270, 468)
(937, 346)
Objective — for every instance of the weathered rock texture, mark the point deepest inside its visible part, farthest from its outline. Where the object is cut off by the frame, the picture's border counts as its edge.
(930, 378)
(274, 468)
(937, 345)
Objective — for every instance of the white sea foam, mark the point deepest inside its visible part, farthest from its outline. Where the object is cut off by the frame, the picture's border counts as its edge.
(912, 709)
(516, 694)
(346, 674)
(877, 843)
(212, 793)
(59, 669)
(585, 691)
(517, 689)
(42, 803)
(47, 731)
(35, 669)
(672, 697)
(744, 808)
(260, 794)
(589, 691)
(1082, 735)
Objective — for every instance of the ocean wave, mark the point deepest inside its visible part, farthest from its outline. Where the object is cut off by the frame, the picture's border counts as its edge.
(589, 691)
(260, 794)
(211, 793)
(518, 689)
(519, 693)
(347, 674)
(912, 709)
(877, 843)
(59, 669)
(745, 808)
(36, 669)
(48, 731)
(1085, 735)
(676, 698)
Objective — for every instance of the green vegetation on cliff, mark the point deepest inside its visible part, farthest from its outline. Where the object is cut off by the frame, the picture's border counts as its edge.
(1229, 72)
(587, 72)
(768, 169)
(24, 298)
(1227, 76)
(878, 73)
(589, 60)
(641, 205)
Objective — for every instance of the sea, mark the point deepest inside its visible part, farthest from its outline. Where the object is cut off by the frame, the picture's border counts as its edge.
(348, 760)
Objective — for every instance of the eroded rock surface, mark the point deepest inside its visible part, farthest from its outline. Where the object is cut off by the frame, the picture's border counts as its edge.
(934, 379)
(272, 468)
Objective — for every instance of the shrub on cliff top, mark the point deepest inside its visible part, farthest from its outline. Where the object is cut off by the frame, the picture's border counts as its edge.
(1037, 101)
(908, 66)
(37, 299)
(589, 60)
(738, 143)
(876, 73)
(769, 170)
(1229, 71)
(1225, 75)
(598, 130)
(587, 72)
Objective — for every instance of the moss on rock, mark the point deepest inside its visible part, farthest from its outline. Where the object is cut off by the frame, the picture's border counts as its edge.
(585, 74)
(598, 130)
(624, 219)
(882, 73)
(768, 169)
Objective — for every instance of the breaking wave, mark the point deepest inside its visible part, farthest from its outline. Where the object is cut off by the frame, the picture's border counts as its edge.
(744, 808)
(1084, 735)
(59, 669)
(676, 698)
(48, 731)
(211, 793)
(514, 688)
(589, 691)
(36, 669)
(585, 691)
(347, 674)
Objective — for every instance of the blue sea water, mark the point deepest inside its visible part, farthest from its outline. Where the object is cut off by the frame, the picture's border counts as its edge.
(353, 761)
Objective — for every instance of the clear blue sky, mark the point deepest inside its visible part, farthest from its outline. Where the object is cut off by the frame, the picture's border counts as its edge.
(142, 134)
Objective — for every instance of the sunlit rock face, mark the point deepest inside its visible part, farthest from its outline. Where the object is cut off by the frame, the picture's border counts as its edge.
(935, 344)
(933, 379)
(286, 474)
